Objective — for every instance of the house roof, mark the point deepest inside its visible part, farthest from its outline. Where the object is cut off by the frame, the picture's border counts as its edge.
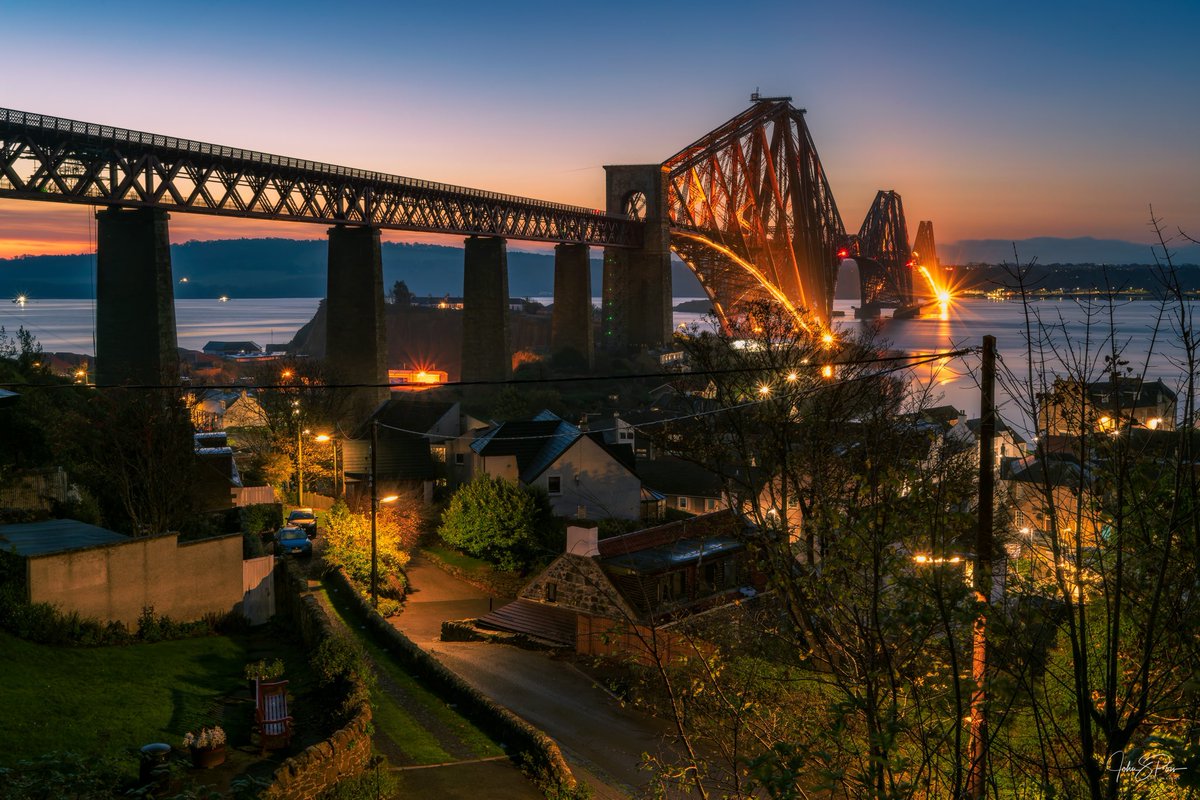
(54, 536)
(411, 415)
(231, 347)
(973, 425)
(719, 523)
(678, 477)
(1146, 393)
(536, 443)
(673, 554)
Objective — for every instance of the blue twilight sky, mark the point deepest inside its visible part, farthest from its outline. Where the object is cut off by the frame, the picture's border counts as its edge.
(999, 120)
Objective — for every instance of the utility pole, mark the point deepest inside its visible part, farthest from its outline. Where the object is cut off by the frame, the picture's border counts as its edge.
(984, 545)
(374, 512)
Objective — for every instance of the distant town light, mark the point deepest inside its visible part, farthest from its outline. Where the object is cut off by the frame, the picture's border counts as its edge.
(764, 390)
(827, 371)
(223, 299)
(21, 300)
(792, 377)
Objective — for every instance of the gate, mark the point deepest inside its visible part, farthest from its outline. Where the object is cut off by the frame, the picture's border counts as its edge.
(258, 587)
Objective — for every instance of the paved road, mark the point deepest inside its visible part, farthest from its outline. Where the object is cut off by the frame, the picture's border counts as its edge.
(602, 740)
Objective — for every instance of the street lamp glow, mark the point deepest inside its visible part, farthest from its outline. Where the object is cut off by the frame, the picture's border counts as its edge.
(391, 498)
(323, 437)
(764, 390)
(792, 377)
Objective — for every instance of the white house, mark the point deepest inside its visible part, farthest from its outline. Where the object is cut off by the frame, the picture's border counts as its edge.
(584, 477)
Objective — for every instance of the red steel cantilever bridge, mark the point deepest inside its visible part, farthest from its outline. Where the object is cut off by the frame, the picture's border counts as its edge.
(747, 206)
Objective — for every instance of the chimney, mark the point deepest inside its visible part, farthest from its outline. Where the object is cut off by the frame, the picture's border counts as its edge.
(583, 538)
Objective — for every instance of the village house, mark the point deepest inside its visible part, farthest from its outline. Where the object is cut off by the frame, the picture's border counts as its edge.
(1072, 408)
(582, 475)
(606, 596)
(413, 439)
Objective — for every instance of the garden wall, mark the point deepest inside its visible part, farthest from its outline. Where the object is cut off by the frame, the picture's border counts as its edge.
(348, 751)
(525, 743)
(116, 581)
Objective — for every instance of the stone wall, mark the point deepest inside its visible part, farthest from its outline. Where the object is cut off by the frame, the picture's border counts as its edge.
(116, 581)
(526, 744)
(580, 585)
(348, 751)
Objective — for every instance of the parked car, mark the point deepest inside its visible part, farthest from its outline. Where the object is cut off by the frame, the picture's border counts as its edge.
(303, 518)
(293, 541)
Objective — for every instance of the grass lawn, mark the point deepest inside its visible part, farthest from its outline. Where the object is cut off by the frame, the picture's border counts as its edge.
(108, 701)
(477, 571)
(419, 722)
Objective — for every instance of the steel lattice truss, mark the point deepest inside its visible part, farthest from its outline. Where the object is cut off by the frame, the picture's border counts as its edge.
(924, 254)
(47, 158)
(752, 214)
(884, 260)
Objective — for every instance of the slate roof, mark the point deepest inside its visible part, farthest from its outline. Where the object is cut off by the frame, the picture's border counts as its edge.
(54, 536)
(231, 347)
(678, 477)
(536, 443)
(411, 415)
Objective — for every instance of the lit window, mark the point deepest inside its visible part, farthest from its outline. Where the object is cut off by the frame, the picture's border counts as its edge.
(438, 451)
(683, 502)
(554, 484)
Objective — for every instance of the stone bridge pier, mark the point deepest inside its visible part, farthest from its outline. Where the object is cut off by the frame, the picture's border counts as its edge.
(636, 311)
(355, 334)
(135, 299)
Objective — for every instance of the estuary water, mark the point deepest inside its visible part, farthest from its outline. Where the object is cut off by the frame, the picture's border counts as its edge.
(67, 325)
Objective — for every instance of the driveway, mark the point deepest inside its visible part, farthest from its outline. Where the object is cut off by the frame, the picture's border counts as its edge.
(601, 739)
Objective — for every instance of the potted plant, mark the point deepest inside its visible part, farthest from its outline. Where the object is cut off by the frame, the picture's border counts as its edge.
(207, 747)
(263, 670)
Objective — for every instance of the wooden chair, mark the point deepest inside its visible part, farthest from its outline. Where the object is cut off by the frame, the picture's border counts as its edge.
(271, 719)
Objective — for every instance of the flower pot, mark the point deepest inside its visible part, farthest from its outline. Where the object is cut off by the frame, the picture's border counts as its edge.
(208, 757)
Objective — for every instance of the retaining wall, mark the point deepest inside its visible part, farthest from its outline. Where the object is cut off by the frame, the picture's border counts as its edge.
(526, 744)
(348, 751)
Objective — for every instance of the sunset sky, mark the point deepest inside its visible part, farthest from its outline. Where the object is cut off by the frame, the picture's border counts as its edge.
(1005, 120)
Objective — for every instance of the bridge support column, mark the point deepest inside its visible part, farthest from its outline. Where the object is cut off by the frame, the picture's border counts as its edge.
(637, 305)
(571, 324)
(355, 332)
(135, 299)
(486, 352)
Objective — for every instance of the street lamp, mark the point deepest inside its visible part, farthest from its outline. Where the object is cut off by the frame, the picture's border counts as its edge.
(391, 498)
(299, 454)
(338, 486)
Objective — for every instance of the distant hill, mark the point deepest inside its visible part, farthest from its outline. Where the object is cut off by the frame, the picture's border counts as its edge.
(1050, 250)
(296, 268)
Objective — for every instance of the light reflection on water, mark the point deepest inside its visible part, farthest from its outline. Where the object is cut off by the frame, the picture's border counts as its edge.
(954, 381)
(66, 325)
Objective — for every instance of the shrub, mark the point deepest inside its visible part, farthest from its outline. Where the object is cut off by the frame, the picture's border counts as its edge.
(261, 517)
(499, 521)
(348, 543)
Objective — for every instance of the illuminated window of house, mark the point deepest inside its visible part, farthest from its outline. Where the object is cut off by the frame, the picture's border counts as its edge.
(554, 484)
(683, 502)
(438, 451)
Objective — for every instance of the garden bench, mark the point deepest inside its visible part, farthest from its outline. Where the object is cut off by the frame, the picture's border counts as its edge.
(271, 719)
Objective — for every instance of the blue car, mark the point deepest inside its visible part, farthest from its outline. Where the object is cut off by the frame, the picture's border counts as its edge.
(293, 541)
